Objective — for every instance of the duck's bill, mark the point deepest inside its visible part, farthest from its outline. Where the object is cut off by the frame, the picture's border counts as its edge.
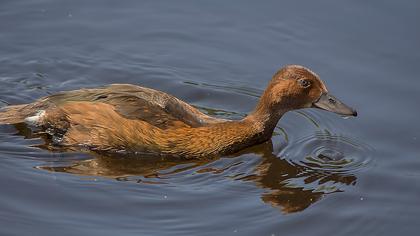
(330, 103)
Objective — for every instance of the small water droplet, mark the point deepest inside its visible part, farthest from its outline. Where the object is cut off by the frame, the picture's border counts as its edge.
(361, 199)
(235, 231)
(70, 15)
(165, 197)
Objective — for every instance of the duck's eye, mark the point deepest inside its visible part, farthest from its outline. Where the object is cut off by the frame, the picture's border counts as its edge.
(304, 83)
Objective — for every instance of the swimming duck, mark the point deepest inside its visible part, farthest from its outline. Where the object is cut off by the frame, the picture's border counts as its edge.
(142, 120)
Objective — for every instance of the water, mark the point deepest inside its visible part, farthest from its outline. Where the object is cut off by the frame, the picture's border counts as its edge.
(320, 175)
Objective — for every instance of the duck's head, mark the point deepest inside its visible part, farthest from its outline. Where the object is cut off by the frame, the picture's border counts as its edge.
(296, 87)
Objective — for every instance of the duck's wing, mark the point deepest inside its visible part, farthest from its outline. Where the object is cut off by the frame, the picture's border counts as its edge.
(133, 102)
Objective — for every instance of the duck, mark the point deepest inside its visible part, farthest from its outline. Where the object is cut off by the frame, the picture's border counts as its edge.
(135, 119)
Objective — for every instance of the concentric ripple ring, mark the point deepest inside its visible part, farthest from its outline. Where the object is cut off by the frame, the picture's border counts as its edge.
(326, 152)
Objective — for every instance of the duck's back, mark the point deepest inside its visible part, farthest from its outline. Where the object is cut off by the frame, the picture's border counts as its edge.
(132, 102)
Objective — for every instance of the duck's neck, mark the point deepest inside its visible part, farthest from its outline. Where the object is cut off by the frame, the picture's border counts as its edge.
(264, 118)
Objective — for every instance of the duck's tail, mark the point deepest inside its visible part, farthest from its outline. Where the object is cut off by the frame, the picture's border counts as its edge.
(15, 114)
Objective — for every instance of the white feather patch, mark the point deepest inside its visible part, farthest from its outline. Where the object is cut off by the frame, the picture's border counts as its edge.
(34, 120)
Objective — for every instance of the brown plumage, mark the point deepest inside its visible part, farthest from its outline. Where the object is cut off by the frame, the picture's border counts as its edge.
(137, 119)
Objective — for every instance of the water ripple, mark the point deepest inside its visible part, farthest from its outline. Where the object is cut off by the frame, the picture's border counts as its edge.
(327, 152)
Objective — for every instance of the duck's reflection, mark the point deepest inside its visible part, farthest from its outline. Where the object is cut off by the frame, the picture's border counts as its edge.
(290, 187)
(294, 187)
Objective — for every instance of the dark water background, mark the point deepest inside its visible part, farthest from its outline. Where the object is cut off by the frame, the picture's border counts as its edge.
(320, 175)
